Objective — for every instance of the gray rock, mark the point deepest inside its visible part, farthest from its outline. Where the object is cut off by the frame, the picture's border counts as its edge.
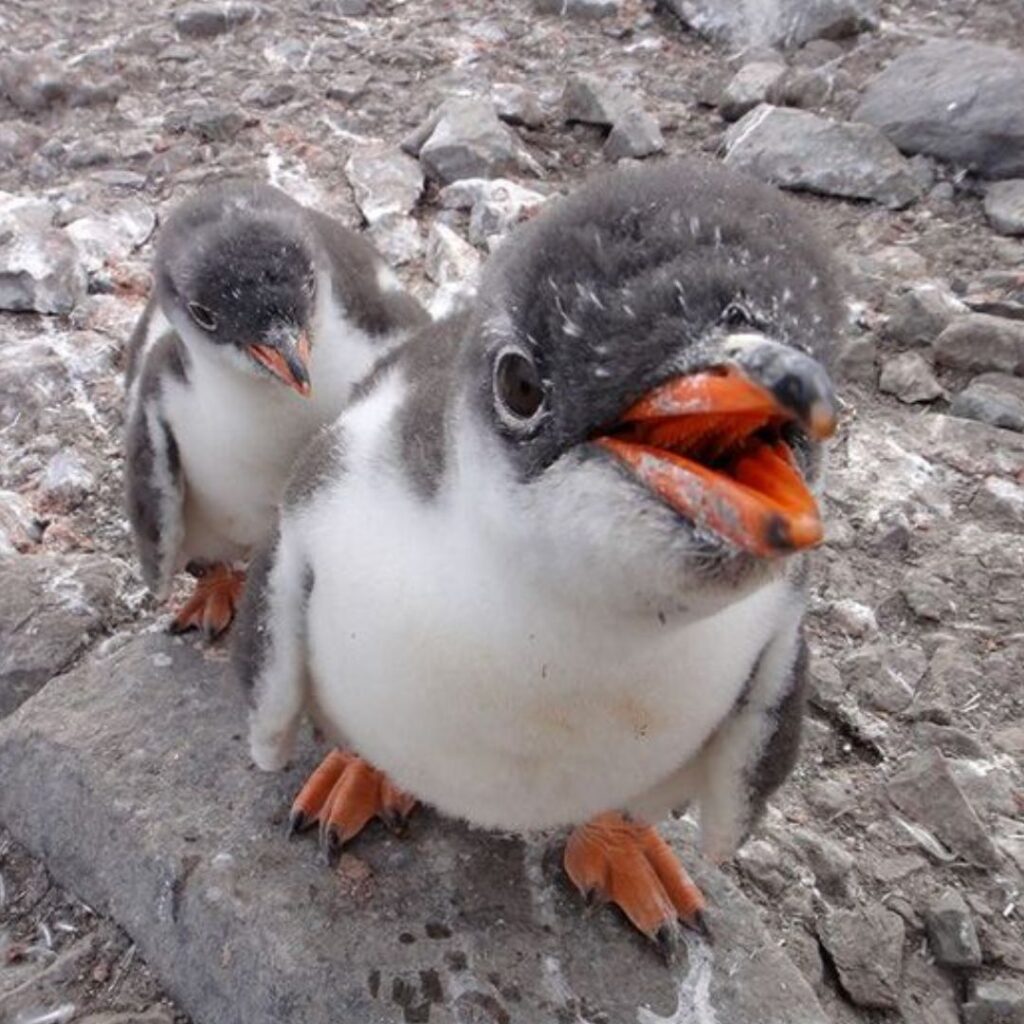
(995, 1001)
(206, 20)
(463, 138)
(385, 181)
(909, 376)
(951, 931)
(950, 741)
(993, 398)
(17, 523)
(956, 100)
(809, 87)
(884, 675)
(799, 150)
(920, 314)
(209, 122)
(749, 87)
(114, 778)
(39, 265)
(831, 864)
(67, 480)
(18, 141)
(348, 88)
(777, 22)
(495, 205)
(1004, 206)
(50, 609)
(454, 266)
(928, 598)
(104, 239)
(33, 83)
(926, 791)
(856, 355)
(585, 10)
(816, 52)
(516, 104)
(988, 788)
(397, 237)
(866, 946)
(1000, 500)
(636, 134)
(592, 99)
(268, 95)
(979, 342)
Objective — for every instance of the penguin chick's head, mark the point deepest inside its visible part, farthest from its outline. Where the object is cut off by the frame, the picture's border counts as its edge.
(236, 268)
(649, 359)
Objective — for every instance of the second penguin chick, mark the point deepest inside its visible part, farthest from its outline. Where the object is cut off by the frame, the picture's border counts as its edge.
(263, 314)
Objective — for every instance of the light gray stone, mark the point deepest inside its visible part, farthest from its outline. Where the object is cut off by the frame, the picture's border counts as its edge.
(920, 314)
(40, 269)
(993, 398)
(153, 813)
(777, 22)
(107, 238)
(207, 121)
(450, 259)
(883, 675)
(951, 932)
(866, 946)
(206, 20)
(348, 88)
(51, 607)
(397, 237)
(909, 376)
(995, 1001)
(979, 342)
(1004, 206)
(635, 135)
(799, 150)
(17, 523)
(956, 100)
(856, 356)
(516, 104)
(593, 99)
(268, 95)
(585, 10)
(749, 87)
(384, 180)
(33, 82)
(926, 791)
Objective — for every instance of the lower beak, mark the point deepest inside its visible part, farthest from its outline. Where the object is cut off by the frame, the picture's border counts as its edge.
(290, 364)
(711, 445)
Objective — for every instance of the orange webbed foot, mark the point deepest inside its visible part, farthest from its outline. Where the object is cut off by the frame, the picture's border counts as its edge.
(627, 863)
(213, 602)
(344, 794)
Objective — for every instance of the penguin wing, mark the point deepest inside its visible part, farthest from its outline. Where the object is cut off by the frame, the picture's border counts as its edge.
(155, 484)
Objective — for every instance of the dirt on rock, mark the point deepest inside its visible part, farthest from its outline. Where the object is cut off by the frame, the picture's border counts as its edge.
(909, 794)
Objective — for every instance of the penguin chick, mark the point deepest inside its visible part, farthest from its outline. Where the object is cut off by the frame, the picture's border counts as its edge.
(547, 569)
(263, 314)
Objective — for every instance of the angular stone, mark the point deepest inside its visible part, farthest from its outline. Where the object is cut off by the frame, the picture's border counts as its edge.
(112, 775)
(50, 609)
(1004, 206)
(926, 791)
(884, 676)
(67, 480)
(268, 95)
(384, 180)
(496, 206)
(209, 122)
(18, 531)
(18, 142)
(33, 83)
(585, 10)
(995, 1001)
(39, 265)
(866, 946)
(516, 104)
(1001, 500)
(799, 150)
(463, 138)
(348, 88)
(909, 376)
(951, 931)
(956, 100)
(749, 87)
(397, 237)
(635, 134)
(103, 239)
(979, 342)
(920, 314)
(783, 23)
(206, 20)
(830, 863)
(993, 398)
(855, 358)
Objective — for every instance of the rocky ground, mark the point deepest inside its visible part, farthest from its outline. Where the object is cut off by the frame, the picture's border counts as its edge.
(890, 867)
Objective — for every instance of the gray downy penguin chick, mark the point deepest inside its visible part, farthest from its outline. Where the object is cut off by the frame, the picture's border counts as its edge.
(263, 314)
(548, 568)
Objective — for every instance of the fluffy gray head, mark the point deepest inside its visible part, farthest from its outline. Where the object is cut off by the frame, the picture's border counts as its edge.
(239, 262)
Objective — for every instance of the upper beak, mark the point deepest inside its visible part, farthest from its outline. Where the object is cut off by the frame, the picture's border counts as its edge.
(713, 445)
(287, 359)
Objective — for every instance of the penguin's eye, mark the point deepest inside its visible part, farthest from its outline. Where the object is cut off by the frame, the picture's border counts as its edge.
(202, 316)
(737, 315)
(517, 385)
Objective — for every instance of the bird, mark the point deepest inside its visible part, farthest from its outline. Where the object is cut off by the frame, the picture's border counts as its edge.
(263, 314)
(548, 568)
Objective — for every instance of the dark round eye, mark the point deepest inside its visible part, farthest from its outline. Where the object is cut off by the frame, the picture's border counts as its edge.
(518, 385)
(202, 316)
(737, 315)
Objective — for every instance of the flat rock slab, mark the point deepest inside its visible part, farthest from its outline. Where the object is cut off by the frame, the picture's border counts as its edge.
(131, 779)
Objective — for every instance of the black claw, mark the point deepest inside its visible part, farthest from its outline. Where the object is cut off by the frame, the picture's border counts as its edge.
(176, 628)
(592, 898)
(666, 938)
(298, 822)
(699, 923)
(330, 843)
(394, 822)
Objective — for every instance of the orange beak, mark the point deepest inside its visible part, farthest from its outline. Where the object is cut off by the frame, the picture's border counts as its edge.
(710, 446)
(291, 367)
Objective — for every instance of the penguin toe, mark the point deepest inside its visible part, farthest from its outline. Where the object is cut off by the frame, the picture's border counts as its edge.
(344, 794)
(627, 863)
(213, 603)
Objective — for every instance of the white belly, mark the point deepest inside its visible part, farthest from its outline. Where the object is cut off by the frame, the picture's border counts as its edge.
(459, 680)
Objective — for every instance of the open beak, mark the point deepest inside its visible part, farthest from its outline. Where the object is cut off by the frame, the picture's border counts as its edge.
(712, 445)
(288, 362)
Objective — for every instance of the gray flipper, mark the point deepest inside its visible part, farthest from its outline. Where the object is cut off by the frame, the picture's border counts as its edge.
(155, 488)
